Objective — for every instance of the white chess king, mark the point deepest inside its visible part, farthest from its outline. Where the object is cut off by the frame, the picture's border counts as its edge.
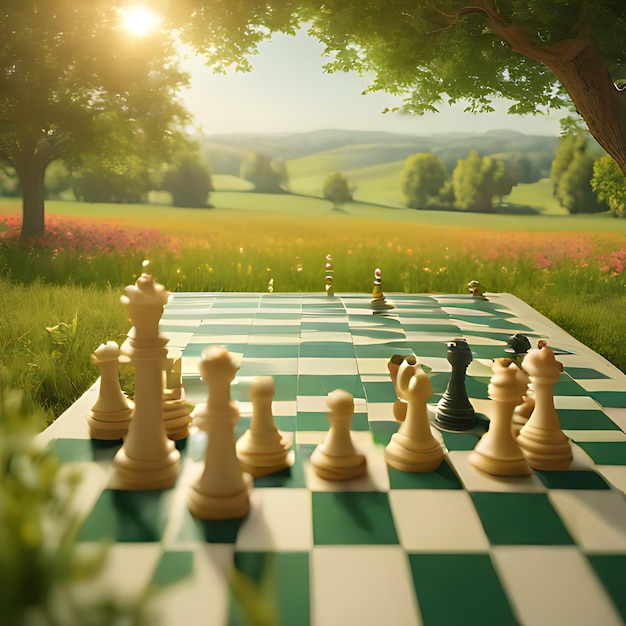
(147, 459)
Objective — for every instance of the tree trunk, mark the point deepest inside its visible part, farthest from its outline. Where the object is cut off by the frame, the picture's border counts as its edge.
(31, 173)
(599, 102)
(581, 69)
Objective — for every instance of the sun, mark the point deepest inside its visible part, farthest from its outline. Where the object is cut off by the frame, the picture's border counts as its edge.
(140, 20)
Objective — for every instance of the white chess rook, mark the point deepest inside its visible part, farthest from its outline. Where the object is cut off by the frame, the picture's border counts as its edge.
(147, 459)
(544, 444)
(221, 492)
(263, 449)
(337, 458)
(414, 448)
(109, 417)
(498, 452)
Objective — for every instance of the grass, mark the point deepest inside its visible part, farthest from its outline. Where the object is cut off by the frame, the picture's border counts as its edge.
(570, 269)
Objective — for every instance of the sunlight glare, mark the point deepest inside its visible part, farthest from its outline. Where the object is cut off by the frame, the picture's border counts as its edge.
(139, 19)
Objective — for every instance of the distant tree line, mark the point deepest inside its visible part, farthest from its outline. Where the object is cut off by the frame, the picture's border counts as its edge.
(583, 181)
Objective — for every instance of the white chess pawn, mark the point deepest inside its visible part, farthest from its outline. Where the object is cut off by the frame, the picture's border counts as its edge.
(263, 449)
(109, 417)
(498, 452)
(221, 492)
(544, 444)
(524, 410)
(337, 458)
(414, 448)
(147, 459)
(176, 410)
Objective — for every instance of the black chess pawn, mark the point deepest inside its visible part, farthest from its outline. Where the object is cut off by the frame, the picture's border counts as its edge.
(454, 410)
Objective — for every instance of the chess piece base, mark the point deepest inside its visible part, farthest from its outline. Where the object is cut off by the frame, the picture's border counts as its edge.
(213, 507)
(263, 465)
(338, 467)
(109, 426)
(381, 305)
(552, 452)
(135, 474)
(176, 419)
(405, 459)
(499, 467)
(459, 420)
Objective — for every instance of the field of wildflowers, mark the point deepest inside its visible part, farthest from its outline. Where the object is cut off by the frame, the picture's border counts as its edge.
(575, 278)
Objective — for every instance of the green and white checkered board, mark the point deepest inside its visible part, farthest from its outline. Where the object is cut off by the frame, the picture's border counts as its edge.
(452, 546)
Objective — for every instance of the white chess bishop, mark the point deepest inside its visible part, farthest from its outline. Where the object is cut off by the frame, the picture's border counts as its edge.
(414, 448)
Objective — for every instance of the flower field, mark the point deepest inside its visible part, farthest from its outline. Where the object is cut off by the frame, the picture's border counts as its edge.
(575, 278)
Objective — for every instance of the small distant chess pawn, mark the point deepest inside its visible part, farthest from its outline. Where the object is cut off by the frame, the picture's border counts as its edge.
(263, 449)
(337, 458)
(176, 411)
(454, 410)
(110, 415)
(147, 459)
(270, 286)
(545, 445)
(329, 276)
(497, 452)
(414, 448)
(221, 492)
(476, 289)
(378, 301)
(393, 365)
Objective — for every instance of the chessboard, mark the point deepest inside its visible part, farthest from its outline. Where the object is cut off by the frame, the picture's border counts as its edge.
(451, 546)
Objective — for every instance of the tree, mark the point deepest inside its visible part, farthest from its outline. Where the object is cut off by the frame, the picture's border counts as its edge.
(610, 185)
(266, 174)
(189, 181)
(337, 189)
(571, 174)
(537, 53)
(422, 179)
(474, 179)
(75, 83)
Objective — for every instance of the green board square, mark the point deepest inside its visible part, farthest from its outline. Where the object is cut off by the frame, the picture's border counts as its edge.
(84, 450)
(383, 350)
(326, 349)
(380, 391)
(565, 386)
(460, 441)
(585, 419)
(325, 327)
(358, 517)
(605, 452)
(323, 385)
(270, 351)
(436, 329)
(610, 568)
(173, 567)
(443, 477)
(520, 519)
(612, 399)
(585, 373)
(429, 348)
(211, 531)
(584, 479)
(282, 582)
(128, 516)
(461, 589)
(382, 431)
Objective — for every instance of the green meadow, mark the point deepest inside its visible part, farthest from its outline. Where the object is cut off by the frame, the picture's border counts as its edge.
(60, 298)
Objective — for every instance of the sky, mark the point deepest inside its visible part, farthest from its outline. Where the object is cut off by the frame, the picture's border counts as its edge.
(288, 92)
